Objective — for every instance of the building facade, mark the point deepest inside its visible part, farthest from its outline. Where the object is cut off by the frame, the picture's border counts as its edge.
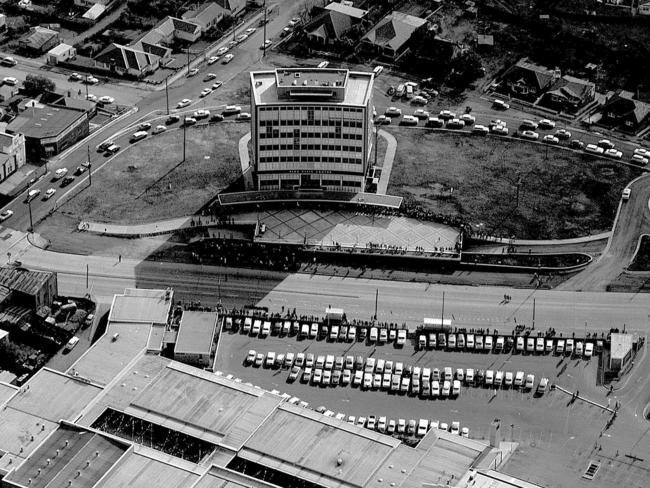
(12, 154)
(311, 128)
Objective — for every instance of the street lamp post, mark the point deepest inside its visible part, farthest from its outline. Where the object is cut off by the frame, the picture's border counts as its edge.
(264, 37)
(90, 169)
(184, 139)
(31, 221)
(167, 94)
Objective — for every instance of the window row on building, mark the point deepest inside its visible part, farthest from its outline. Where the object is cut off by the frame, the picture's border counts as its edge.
(309, 159)
(290, 184)
(309, 147)
(313, 135)
(313, 122)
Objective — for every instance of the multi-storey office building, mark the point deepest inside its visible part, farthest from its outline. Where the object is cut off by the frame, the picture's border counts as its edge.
(311, 128)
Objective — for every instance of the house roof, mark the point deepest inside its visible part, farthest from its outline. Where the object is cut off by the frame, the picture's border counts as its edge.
(44, 122)
(621, 345)
(394, 30)
(639, 110)
(60, 49)
(205, 15)
(6, 140)
(185, 26)
(22, 280)
(355, 13)
(571, 87)
(331, 25)
(38, 37)
(156, 49)
(94, 12)
(485, 40)
(126, 57)
(542, 75)
(232, 5)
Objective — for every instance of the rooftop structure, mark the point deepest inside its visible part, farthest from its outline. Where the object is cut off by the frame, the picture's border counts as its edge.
(136, 305)
(30, 288)
(391, 34)
(44, 122)
(353, 12)
(194, 342)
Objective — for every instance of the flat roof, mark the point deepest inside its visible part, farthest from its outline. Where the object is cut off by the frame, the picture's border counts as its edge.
(67, 451)
(107, 357)
(357, 85)
(150, 306)
(39, 123)
(17, 428)
(307, 444)
(203, 405)
(621, 345)
(6, 391)
(196, 332)
(142, 471)
(227, 478)
(54, 396)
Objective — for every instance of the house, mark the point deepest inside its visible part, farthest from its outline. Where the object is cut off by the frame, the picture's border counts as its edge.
(526, 80)
(49, 130)
(234, 7)
(569, 94)
(60, 54)
(3, 22)
(39, 40)
(390, 36)
(90, 3)
(485, 42)
(31, 289)
(352, 12)
(12, 154)
(329, 25)
(125, 60)
(94, 12)
(624, 112)
(58, 100)
(206, 17)
(644, 8)
(621, 351)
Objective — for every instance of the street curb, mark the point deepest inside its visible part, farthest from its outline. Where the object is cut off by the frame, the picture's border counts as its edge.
(558, 387)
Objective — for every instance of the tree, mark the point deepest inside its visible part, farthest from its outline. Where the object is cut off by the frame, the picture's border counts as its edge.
(37, 84)
(467, 69)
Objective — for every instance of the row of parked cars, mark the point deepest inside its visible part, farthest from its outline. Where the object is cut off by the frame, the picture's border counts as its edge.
(314, 330)
(489, 343)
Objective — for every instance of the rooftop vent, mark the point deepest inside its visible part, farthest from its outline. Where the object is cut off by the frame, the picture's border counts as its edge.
(297, 75)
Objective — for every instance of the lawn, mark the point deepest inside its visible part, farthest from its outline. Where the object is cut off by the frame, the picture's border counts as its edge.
(513, 187)
(641, 261)
(149, 182)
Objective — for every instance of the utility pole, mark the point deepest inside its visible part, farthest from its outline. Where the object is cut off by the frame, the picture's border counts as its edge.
(264, 37)
(533, 313)
(188, 61)
(86, 276)
(442, 319)
(90, 169)
(167, 94)
(31, 221)
(184, 139)
(376, 300)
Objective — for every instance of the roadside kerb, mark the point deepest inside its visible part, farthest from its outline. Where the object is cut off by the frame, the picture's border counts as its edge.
(558, 387)
(506, 267)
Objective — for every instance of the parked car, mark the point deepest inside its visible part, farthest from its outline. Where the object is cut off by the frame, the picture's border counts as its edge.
(546, 124)
(639, 159)
(529, 124)
(563, 134)
(6, 214)
(231, 110)
(530, 135)
(606, 144)
(106, 99)
(420, 113)
(227, 58)
(49, 193)
(243, 116)
(393, 112)
(550, 139)
(576, 144)
(614, 153)
(192, 72)
(172, 119)
(183, 103)
(213, 59)
(205, 92)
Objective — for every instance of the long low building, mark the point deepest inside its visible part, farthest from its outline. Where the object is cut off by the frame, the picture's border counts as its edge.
(154, 422)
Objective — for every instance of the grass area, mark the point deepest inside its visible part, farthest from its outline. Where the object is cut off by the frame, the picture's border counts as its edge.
(146, 182)
(562, 194)
(641, 261)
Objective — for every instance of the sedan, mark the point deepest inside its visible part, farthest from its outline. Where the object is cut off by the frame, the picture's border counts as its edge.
(49, 193)
(259, 359)
(201, 114)
(250, 30)
(10, 80)
(193, 72)
(144, 126)
(217, 84)
(213, 59)
(159, 129)
(106, 99)
(183, 103)
(227, 58)
(393, 112)
(172, 119)
(550, 139)
(241, 38)
(421, 114)
(266, 44)
(592, 148)
(293, 376)
(221, 51)
(499, 130)
(5, 215)
(205, 92)
(446, 115)
(530, 135)
(91, 97)
(243, 116)
(614, 153)
(642, 152)
(546, 124)
(250, 357)
(231, 110)
(563, 134)
(606, 144)
(76, 77)
(189, 121)
(638, 159)
(382, 120)
(210, 77)
(91, 80)
(216, 118)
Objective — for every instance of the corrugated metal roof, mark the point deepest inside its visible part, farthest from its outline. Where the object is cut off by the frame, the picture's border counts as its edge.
(22, 280)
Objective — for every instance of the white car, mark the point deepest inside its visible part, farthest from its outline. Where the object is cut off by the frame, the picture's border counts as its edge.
(383, 120)
(550, 139)
(231, 110)
(455, 427)
(266, 44)
(106, 99)
(377, 70)
(159, 129)
(639, 159)
(183, 103)
(500, 130)
(481, 130)
(546, 124)
(393, 112)
(241, 38)
(33, 194)
(213, 59)
(193, 72)
(5, 215)
(201, 114)
(626, 194)
(60, 173)
(91, 80)
(594, 149)
(250, 30)
(614, 153)
(221, 51)
(530, 135)
(227, 58)
(49, 193)
(643, 152)
(446, 115)
(76, 77)
(91, 97)
(529, 124)
(243, 116)
(421, 114)
(205, 92)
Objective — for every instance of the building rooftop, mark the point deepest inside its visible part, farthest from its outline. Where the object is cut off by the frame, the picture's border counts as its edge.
(393, 30)
(16, 431)
(6, 390)
(60, 49)
(44, 122)
(196, 332)
(135, 305)
(67, 451)
(354, 12)
(22, 280)
(312, 85)
(227, 478)
(621, 345)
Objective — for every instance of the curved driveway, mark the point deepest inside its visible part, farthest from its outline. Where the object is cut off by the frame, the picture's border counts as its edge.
(632, 221)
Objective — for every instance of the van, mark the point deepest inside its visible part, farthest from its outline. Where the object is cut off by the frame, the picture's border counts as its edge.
(400, 90)
(451, 341)
(334, 333)
(409, 91)
(470, 341)
(409, 120)
(248, 322)
(137, 136)
(543, 385)
(72, 343)
(449, 374)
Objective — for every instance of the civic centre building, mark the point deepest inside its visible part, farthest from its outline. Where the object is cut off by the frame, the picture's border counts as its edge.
(311, 128)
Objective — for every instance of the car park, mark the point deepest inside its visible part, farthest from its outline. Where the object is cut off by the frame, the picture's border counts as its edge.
(530, 344)
(435, 389)
(300, 359)
(488, 341)
(499, 344)
(313, 331)
(352, 333)
(530, 135)
(346, 377)
(469, 376)
(589, 349)
(460, 374)
(405, 385)
(455, 428)
(293, 375)
(357, 378)
(520, 344)
(519, 379)
(317, 377)
(569, 347)
(327, 377)
(559, 349)
(479, 342)
(266, 329)
(579, 346)
(470, 341)
(489, 377)
(455, 391)
(549, 346)
(259, 359)
(401, 338)
(546, 124)
(257, 327)
(446, 389)
(432, 340)
(498, 379)
(270, 360)
(423, 426)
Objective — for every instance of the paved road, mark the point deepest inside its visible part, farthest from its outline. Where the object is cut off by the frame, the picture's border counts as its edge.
(632, 222)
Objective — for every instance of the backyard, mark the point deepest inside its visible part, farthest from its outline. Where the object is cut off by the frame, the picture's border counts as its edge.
(149, 181)
(507, 187)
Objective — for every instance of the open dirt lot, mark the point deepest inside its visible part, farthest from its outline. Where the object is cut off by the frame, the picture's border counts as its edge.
(149, 181)
(561, 193)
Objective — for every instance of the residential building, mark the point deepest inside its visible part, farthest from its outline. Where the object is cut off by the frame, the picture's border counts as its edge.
(90, 3)
(3, 22)
(30, 289)
(49, 130)
(624, 112)
(390, 37)
(208, 16)
(58, 100)
(621, 351)
(526, 80)
(195, 339)
(39, 40)
(61, 53)
(332, 22)
(4, 337)
(644, 8)
(12, 154)
(125, 60)
(234, 7)
(569, 94)
(311, 128)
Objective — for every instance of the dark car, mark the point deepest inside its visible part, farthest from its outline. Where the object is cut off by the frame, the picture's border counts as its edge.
(80, 169)
(104, 146)
(216, 118)
(172, 119)
(66, 181)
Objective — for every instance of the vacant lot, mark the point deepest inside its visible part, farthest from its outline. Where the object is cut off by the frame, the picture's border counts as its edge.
(149, 181)
(513, 187)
